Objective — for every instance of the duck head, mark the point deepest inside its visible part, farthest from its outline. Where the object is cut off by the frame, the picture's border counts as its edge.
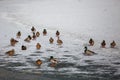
(51, 57)
(85, 47)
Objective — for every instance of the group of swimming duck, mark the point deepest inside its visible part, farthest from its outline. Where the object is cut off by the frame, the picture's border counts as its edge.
(103, 45)
(51, 40)
(35, 34)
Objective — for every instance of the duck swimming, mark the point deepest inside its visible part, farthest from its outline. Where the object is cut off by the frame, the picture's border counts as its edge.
(18, 34)
(44, 32)
(33, 29)
(103, 44)
(37, 34)
(51, 40)
(34, 36)
(53, 61)
(13, 41)
(23, 47)
(59, 41)
(113, 44)
(11, 52)
(38, 46)
(57, 33)
(91, 42)
(39, 62)
(28, 38)
(88, 52)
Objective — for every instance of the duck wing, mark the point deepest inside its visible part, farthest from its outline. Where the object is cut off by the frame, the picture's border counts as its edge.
(89, 52)
(92, 52)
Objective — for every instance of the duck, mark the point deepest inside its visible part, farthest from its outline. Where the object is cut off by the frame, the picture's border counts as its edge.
(28, 38)
(34, 36)
(88, 52)
(13, 41)
(33, 29)
(113, 44)
(18, 34)
(103, 44)
(38, 62)
(37, 34)
(59, 41)
(53, 61)
(11, 52)
(38, 46)
(23, 47)
(51, 40)
(91, 42)
(44, 32)
(57, 33)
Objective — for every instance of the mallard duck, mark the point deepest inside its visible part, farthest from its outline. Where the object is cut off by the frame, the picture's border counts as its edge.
(38, 46)
(23, 47)
(28, 38)
(113, 44)
(57, 33)
(59, 41)
(44, 32)
(13, 41)
(34, 36)
(103, 44)
(39, 62)
(88, 52)
(37, 34)
(18, 34)
(91, 42)
(53, 61)
(11, 52)
(51, 40)
(33, 29)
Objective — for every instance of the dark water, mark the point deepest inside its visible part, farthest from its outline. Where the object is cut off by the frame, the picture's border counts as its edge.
(86, 72)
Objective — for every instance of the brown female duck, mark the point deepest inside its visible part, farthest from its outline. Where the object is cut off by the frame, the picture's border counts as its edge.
(11, 52)
(51, 40)
(39, 62)
(103, 44)
(38, 46)
(91, 42)
(113, 44)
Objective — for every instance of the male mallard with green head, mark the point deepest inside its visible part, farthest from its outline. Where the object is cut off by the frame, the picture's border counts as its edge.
(23, 47)
(88, 52)
(44, 32)
(53, 61)
(28, 38)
